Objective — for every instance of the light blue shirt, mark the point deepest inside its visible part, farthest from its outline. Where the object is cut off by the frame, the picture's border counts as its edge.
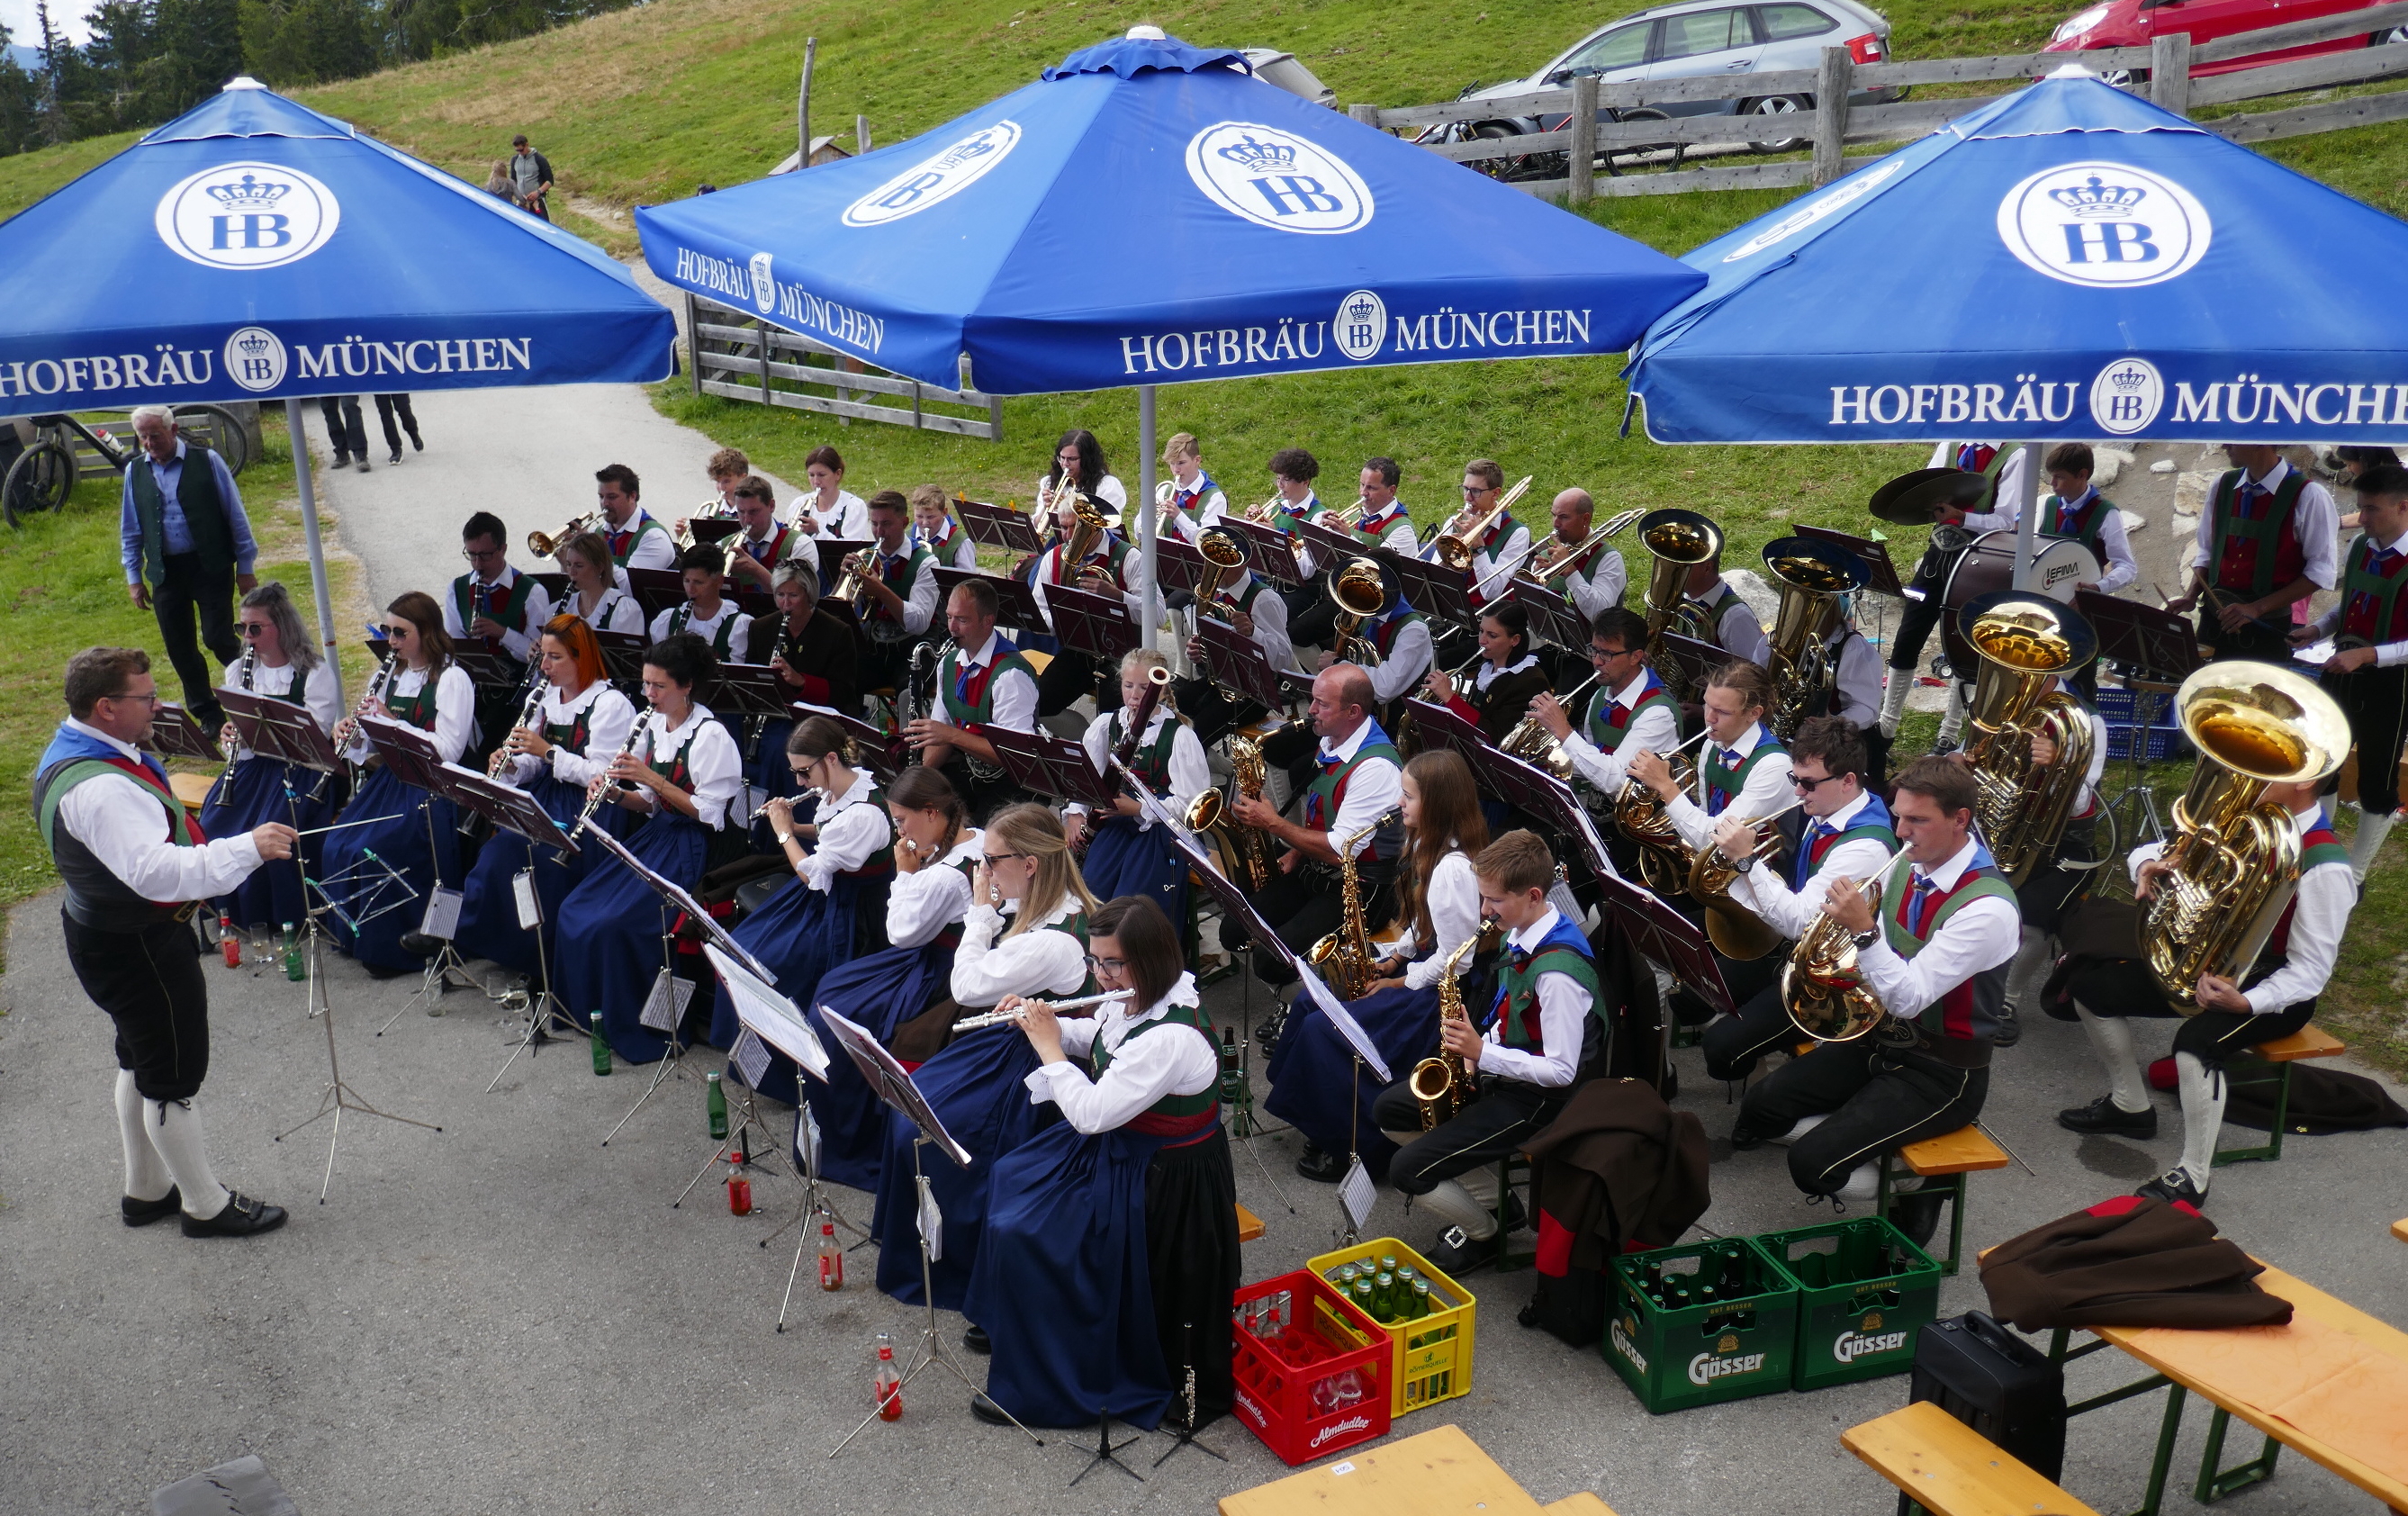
(172, 527)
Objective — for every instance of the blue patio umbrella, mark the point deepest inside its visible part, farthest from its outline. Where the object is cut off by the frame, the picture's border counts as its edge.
(1150, 213)
(255, 249)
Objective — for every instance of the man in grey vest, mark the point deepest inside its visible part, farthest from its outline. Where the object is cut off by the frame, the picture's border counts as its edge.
(134, 864)
(182, 532)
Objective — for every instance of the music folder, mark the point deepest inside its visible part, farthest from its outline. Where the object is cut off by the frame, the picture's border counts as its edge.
(279, 729)
(747, 690)
(673, 895)
(1331, 547)
(1095, 624)
(1268, 549)
(997, 526)
(1237, 662)
(623, 655)
(1552, 615)
(2157, 644)
(1048, 764)
(489, 671)
(506, 806)
(1015, 602)
(656, 588)
(1883, 574)
(709, 530)
(1693, 662)
(1176, 564)
(875, 750)
(768, 1015)
(1432, 589)
(406, 750)
(174, 733)
(1667, 938)
(892, 1084)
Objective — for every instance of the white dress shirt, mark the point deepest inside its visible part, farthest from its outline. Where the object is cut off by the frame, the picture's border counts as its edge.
(2387, 654)
(2320, 910)
(539, 610)
(1601, 586)
(2009, 482)
(612, 713)
(1655, 730)
(1013, 693)
(1210, 507)
(1454, 896)
(851, 829)
(1190, 776)
(961, 553)
(618, 612)
(1128, 578)
(319, 692)
(126, 828)
(455, 710)
(2121, 567)
(1174, 1060)
(1564, 1008)
(1270, 625)
(1765, 888)
(1860, 683)
(713, 763)
(1738, 631)
(921, 904)
(1374, 789)
(919, 597)
(707, 628)
(1766, 790)
(1406, 663)
(1493, 567)
(987, 966)
(2315, 522)
(847, 518)
(1979, 935)
(653, 550)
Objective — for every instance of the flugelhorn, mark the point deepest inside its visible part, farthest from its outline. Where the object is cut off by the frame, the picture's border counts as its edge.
(1736, 932)
(1013, 1018)
(1458, 551)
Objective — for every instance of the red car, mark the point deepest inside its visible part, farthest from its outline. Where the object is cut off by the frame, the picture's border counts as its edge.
(2131, 23)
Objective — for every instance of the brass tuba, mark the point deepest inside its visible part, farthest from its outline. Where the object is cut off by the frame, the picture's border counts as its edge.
(1821, 986)
(1679, 540)
(1088, 531)
(1441, 1084)
(2024, 640)
(1225, 564)
(1360, 595)
(2235, 855)
(1813, 576)
(1458, 551)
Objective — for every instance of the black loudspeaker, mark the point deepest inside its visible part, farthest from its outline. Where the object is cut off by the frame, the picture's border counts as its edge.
(1998, 1384)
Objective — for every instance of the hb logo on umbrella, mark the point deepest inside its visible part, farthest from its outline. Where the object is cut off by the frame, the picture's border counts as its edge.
(1278, 180)
(2103, 225)
(247, 216)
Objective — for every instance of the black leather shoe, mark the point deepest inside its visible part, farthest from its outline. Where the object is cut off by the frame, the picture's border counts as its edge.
(2172, 1185)
(974, 1338)
(988, 1411)
(1455, 1251)
(1917, 1215)
(421, 945)
(242, 1217)
(395, 458)
(1320, 1167)
(2104, 1116)
(143, 1212)
(361, 465)
(2011, 1026)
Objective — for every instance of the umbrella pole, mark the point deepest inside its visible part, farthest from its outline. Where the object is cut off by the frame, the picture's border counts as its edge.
(2027, 518)
(1146, 514)
(300, 440)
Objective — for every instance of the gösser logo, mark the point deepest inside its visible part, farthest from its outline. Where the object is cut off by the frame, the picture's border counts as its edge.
(1277, 179)
(2126, 396)
(936, 179)
(256, 357)
(2107, 225)
(246, 215)
(1362, 325)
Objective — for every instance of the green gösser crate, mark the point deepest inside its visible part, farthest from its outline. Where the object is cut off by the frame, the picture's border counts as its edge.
(1700, 1323)
(1864, 1291)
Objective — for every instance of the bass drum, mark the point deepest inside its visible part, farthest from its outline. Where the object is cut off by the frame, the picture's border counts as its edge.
(1988, 565)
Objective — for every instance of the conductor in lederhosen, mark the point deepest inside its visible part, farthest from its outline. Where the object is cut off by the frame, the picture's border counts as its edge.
(135, 864)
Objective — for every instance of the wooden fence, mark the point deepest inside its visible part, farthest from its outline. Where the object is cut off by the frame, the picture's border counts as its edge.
(1831, 129)
(737, 356)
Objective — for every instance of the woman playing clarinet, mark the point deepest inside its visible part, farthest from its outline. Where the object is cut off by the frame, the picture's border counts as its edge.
(1126, 853)
(1025, 933)
(1135, 1176)
(279, 661)
(1315, 1085)
(567, 735)
(678, 772)
(410, 831)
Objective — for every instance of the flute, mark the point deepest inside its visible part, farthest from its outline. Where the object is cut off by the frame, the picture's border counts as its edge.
(1013, 1018)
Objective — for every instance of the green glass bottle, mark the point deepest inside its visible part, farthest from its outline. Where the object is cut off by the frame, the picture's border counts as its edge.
(1388, 1263)
(714, 1100)
(293, 968)
(1383, 1293)
(1363, 1297)
(1421, 1298)
(601, 1047)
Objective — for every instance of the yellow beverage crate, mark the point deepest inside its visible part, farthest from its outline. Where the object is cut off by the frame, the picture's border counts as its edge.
(1430, 1359)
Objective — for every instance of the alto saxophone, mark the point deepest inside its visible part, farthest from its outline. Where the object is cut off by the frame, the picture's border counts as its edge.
(1344, 957)
(1440, 1084)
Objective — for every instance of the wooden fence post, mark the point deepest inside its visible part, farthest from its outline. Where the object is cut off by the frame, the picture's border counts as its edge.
(2169, 72)
(1832, 82)
(1582, 151)
(761, 331)
(861, 133)
(1368, 115)
(694, 341)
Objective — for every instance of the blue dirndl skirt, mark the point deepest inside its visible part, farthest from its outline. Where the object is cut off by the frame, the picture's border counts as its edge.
(489, 913)
(1123, 860)
(1312, 1069)
(774, 776)
(975, 1087)
(615, 921)
(881, 992)
(798, 935)
(403, 841)
(253, 796)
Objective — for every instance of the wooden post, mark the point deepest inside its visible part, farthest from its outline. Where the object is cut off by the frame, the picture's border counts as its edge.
(803, 107)
(2169, 72)
(1832, 82)
(994, 418)
(1368, 115)
(761, 330)
(694, 341)
(861, 133)
(1582, 153)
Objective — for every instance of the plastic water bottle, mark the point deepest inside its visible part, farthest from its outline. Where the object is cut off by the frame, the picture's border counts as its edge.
(229, 942)
(715, 1100)
(740, 1189)
(886, 1381)
(831, 1258)
(601, 1047)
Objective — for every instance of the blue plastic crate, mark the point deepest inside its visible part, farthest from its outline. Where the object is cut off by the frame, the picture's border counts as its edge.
(2164, 742)
(2118, 706)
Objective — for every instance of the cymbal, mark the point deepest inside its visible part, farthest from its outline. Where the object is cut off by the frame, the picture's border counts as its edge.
(1915, 499)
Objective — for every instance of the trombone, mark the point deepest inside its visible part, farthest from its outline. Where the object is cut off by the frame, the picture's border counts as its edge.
(543, 545)
(1458, 551)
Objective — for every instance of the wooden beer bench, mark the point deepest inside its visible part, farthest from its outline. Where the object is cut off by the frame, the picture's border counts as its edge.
(2307, 1042)
(1943, 1467)
(1942, 1162)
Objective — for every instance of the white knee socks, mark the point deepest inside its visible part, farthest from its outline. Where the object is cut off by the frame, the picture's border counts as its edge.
(146, 1173)
(2029, 970)
(1454, 1205)
(2111, 1037)
(2368, 843)
(1954, 722)
(1864, 1182)
(175, 1130)
(2203, 1104)
(1893, 706)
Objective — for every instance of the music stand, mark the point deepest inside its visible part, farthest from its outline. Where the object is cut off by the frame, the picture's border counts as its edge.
(1534, 790)
(887, 1080)
(1552, 615)
(708, 531)
(1015, 606)
(1432, 589)
(1268, 549)
(1693, 662)
(656, 590)
(1238, 663)
(489, 671)
(834, 550)
(2159, 649)
(1331, 547)
(872, 746)
(1176, 563)
(1048, 764)
(1440, 727)
(412, 754)
(1881, 574)
(623, 655)
(175, 734)
(1095, 624)
(1669, 939)
(1236, 907)
(285, 732)
(998, 526)
(512, 809)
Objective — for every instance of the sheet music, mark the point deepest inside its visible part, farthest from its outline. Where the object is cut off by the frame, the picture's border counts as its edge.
(694, 914)
(665, 1008)
(1342, 1019)
(771, 1015)
(1356, 1195)
(751, 1057)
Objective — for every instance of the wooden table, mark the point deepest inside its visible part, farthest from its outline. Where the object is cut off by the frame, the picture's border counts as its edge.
(1438, 1473)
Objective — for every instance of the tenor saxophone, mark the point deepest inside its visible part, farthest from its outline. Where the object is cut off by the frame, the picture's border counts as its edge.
(1247, 772)
(1344, 957)
(1440, 1084)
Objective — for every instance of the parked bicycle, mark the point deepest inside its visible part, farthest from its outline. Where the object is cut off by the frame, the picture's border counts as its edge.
(66, 450)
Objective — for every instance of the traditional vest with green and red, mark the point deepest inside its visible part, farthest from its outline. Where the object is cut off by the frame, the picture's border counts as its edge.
(2254, 554)
(1968, 1009)
(96, 897)
(969, 698)
(1563, 951)
(1285, 515)
(767, 551)
(1871, 824)
(1244, 599)
(1384, 633)
(723, 639)
(1189, 503)
(1151, 763)
(2081, 523)
(1183, 1119)
(2371, 609)
(418, 710)
(898, 572)
(291, 693)
(1492, 552)
(1371, 530)
(1327, 796)
(622, 542)
(1580, 566)
(1719, 607)
(1608, 720)
(939, 546)
(575, 734)
(677, 772)
(1722, 783)
(2318, 847)
(1111, 553)
(471, 598)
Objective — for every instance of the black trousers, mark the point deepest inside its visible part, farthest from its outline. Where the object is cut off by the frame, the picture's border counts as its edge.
(1507, 1114)
(2053, 888)
(186, 593)
(2270, 644)
(151, 983)
(1312, 617)
(1070, 674)
(983, 797)
(2375, 700)
(1733, 1044)
(2125, 987)
(345, 430)
(1215, 715)
(1914, 625)
(1744, 979)
(1879, 1099)
(1305, 907)
(392, 408)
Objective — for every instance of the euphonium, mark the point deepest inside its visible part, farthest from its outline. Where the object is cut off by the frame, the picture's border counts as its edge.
(1821, 986)
(543, 545)
(1224, 563)
(1679, 540)
(1458, 551)
(2235, 855)
(1531, 742)
(1440, 1084)
(1664, 859)
(1736, 932)
(1813, 576)
(1359, 593)
(2026, 640)
(1344, 957)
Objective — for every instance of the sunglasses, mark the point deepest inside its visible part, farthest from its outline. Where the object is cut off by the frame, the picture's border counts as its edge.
(1810, 786)
(990, 859)
(253, 628)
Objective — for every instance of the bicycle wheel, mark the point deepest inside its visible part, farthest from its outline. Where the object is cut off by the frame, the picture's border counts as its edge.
(42, 479)
(217, 430)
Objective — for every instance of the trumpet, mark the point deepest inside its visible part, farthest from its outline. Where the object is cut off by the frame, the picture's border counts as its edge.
(1458, 551)
(1014, 1018)
(1264, 511)
(543, 545)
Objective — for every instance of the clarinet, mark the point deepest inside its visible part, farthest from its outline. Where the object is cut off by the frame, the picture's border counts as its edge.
(242, 676)
(594, 796)
(381, 681)
(526, 718)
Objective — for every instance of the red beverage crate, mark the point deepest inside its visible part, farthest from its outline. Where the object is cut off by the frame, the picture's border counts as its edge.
(1322, 1384)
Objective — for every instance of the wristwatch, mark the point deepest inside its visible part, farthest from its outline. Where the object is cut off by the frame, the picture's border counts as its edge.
(784, 838)
(1864, 941)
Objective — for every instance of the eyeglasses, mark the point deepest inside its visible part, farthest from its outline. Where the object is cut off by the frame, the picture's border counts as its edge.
(153, 698)
(990, 859)
(477, 555)
(1805, 786)
(1473, 490)
(1109, 964)
(1602, 653)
